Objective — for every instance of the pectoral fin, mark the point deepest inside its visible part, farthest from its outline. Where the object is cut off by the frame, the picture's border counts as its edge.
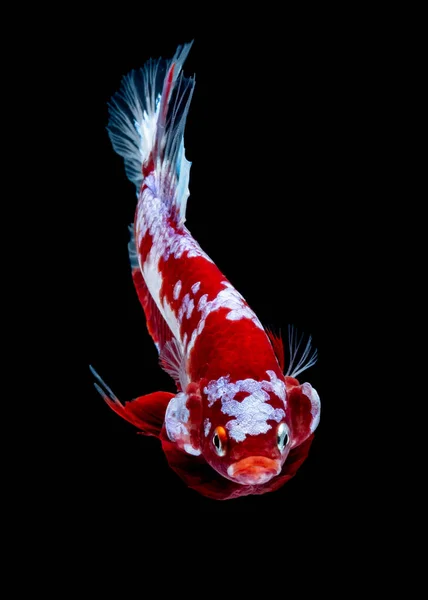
(183, 420)
(146, 412)
(198, 475)
(305, 407)
(202, 478)
(294, 461)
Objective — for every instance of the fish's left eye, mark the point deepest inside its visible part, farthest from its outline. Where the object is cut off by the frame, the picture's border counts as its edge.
(220, 440)
(282, 437)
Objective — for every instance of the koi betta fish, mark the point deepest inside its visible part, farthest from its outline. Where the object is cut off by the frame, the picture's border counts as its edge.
(237, 424)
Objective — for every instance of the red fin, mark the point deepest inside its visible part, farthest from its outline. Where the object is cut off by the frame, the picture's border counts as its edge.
(304, 405)
(290, 382)
(156, 324)
(295, 459)
(146, 412)
(278, 347)
(198, 475)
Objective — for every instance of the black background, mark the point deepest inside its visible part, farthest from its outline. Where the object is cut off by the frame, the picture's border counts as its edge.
(273, 188)
(291, 131)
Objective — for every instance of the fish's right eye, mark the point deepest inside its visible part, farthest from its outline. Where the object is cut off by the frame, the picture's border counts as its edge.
(220, 440)
(282, 437)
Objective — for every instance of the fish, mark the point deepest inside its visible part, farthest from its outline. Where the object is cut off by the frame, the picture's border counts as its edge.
(238, 423)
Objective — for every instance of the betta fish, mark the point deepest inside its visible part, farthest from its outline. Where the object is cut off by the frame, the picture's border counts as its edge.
(237, 424)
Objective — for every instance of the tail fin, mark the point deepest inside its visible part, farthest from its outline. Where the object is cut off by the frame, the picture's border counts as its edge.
(146, 126)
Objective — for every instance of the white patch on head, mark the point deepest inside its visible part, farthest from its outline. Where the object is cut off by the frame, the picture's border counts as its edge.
(220, 387)
(251, 415)
(276, 385)
(228, 298)
(177, 290)
(191, 450)
(207, 427)
(254, 411)
(195, 287)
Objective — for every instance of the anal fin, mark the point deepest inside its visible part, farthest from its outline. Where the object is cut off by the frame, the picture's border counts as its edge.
(278, 346)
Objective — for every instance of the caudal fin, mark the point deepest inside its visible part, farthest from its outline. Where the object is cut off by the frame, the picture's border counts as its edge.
(146, 126)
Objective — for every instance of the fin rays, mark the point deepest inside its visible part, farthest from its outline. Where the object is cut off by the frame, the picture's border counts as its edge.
(172, 360)
(307, 358)
(105, 392)
(147, 117)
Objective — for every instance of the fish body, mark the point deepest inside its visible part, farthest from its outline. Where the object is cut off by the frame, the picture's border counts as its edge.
(237, 424)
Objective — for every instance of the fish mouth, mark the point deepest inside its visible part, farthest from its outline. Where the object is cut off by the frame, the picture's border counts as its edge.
(254, 470)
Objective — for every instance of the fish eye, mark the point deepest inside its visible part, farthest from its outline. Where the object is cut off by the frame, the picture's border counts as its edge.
(282, 437)
(220, 440)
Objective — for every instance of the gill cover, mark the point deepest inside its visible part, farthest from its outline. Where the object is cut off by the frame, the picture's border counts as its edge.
(183, 418)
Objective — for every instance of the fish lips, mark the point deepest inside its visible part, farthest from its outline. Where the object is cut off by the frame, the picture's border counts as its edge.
(254, 470)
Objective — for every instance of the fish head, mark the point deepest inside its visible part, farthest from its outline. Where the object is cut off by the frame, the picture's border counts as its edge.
(249, 427)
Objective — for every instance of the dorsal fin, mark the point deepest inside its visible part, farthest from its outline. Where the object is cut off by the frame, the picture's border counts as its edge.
(299, 360)
(278, 346)
(307, 357)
